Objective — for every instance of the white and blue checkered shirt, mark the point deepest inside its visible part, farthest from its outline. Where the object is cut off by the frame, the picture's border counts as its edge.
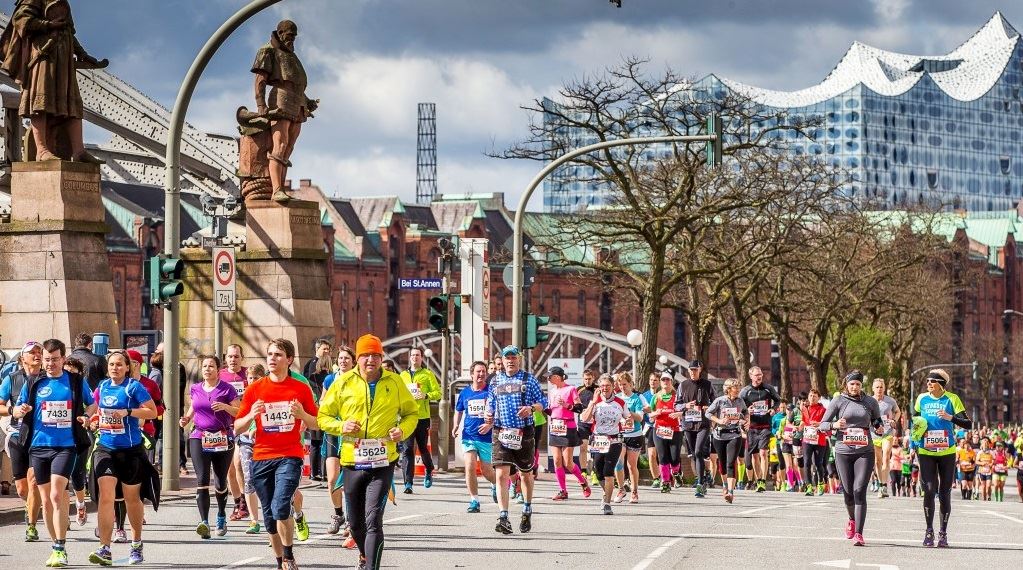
(509, 393)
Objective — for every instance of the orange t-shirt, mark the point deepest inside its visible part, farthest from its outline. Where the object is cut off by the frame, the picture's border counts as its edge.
(278, 432)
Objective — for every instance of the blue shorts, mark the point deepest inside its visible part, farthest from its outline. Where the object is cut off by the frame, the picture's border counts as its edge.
(483, 449)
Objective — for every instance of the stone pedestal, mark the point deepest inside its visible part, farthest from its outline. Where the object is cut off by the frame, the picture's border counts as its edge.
(55, 279)
(283, 285)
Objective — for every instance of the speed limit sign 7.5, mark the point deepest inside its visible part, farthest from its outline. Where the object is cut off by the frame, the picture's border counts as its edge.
(224, 275)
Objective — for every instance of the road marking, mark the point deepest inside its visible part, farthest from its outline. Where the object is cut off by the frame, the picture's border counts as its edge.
(243, 562)
(1014, 545)
(657, 552)
(1006, 517)
(762, 509)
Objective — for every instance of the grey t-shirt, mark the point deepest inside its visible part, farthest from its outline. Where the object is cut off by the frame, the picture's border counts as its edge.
(725, 407)
(889, 407)
(860, 414)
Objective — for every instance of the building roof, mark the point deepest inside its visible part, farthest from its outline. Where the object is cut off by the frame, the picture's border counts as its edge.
(965, 74)
(148, 201)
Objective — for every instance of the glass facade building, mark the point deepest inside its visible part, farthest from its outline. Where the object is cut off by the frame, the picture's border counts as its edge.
(909, 129)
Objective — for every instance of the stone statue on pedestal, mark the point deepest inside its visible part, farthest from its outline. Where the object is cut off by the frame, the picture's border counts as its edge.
(41, 53)
(269, 133)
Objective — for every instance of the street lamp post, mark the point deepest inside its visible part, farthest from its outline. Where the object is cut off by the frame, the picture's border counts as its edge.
(517, 278)
(172, 230)
(635, 340)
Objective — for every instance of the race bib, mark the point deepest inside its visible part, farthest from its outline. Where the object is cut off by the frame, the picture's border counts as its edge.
(510, 438)
(758, 408)
(731, 415)
(1001, 468)
(56, 414)
(985, 469)
(664, 432)
(277, 417)
(694, 415)
(559, 427)
(935, 440)
(214, 441)
(628, 424)
(887, 423)
(110, 423)
(855, 437)
(475, 408)
(810, 434)
(239, 386)
(370, 454)
(966, 466)
(787, 433)
(417, 393)
(601, 444)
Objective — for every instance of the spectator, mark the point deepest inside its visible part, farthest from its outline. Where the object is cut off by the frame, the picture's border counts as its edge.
(95, 367)
(323, 347)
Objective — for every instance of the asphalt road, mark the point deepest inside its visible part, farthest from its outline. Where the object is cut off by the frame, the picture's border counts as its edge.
(431, 529)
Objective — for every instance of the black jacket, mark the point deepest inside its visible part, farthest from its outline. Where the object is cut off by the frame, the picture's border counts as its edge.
(81, 435)
(95, 368)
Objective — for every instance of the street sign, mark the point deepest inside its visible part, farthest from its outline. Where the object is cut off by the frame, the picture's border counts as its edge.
(224, 274)
(420, 283)
(573, 368)
(485, 309)
(528, 274)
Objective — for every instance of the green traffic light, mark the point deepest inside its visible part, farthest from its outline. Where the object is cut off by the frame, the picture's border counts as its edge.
(164, 278)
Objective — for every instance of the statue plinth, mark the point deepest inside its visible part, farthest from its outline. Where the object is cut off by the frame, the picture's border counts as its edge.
(283, 285)
(55, 279)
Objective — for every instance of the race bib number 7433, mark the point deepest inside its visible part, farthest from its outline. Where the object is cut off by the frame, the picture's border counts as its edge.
(56, 414)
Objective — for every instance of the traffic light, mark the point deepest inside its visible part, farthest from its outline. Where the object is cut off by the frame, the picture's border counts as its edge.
(438, 317)
(534, 335)
(715, 126)
(164, 277)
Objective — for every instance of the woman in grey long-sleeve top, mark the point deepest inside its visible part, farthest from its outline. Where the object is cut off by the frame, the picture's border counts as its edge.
(854, 415)
(728, 413)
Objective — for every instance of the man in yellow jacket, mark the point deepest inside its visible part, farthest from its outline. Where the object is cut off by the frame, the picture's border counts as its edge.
(423, 386)
(372, 410)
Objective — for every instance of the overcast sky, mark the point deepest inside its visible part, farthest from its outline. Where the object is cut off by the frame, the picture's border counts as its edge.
(371, 61)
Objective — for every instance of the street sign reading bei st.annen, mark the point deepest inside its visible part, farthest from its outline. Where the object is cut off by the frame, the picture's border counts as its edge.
(420, 283)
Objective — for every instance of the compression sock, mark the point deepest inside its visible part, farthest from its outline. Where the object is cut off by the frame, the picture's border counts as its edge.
(222, 504)
(527, 508)
(202, 500)
(289, 553)
(790, 476)
(578, 475)
(559, 473)
(665, 473)
(339, 511)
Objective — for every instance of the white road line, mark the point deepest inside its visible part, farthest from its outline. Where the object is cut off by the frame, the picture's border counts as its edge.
(1006, 517)
(843, 539)
(761, 509)
(657, 552)
(243, 562)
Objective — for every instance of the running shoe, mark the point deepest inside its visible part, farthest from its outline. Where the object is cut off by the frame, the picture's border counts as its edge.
(656, 484)
(665, 488)
(728, 498)
(346, 529)
(634, 499)
(31, 534)
(526, 523)
(349, 543)
(408, 489)
(83, 515)
(221, 525)
(701, 491)
(493, 492)
(560, 496)
(335, 524)
(627, 486)
(474, 506)
(202, 529)
(620, 496)
(289, 565)
(235, 516)
(607, 509)
(929, 537)
(135, 555)
(519, 499)
(884, 491)
(254, 528)
(942, 540)
(850, 529)
(809, 491)
(301, 528)
(858, 540)
(102, 556)
(120, 537)
(594, 479)
(362, 563)
(57, 559)
(503, 525)
(679, 481)
(820, 489)
(761, 486)
(586, 490)
(428, 481)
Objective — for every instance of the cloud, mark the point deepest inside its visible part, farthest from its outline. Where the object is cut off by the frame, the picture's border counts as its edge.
(889, 10)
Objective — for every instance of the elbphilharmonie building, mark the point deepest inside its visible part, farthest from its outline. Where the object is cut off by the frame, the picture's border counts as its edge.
(909, 129)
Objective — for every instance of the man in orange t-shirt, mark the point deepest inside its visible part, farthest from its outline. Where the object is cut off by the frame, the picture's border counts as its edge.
(279, 405)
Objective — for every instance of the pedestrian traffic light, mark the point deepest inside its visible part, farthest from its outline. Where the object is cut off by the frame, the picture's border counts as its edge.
(164, 277)
(439, 307)
(715, 126)
(532, 324)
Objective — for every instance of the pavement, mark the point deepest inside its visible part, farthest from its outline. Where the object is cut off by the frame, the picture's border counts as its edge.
(430, 529)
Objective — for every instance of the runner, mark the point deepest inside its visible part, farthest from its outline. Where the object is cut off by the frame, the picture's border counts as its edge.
(423, 385)
(563, 436)
(476, 438)
(119, 463)
(31, 365)
(728, 413)
(80, 476)
(237, 376)
(761, 400)
(785, 434)
(211, 443)
(891, 415)
(852, 414)
(514, 395)
(632, 432)
(585, 430)
(696, 394)
(279, 404)
(895, 467)
(666, 413)
(606, 412)
(52, 410)
(244, 452)
(941, 412)
(379, 411)
(815, 444)
(345, 362)
(1001, 469)
(653, 384)
(985, 468)
(966, 459)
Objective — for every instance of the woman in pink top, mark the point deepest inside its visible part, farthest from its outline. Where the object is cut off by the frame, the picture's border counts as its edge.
(562, 434)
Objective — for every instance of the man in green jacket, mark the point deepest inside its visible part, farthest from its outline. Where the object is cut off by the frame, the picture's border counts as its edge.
(425, 388)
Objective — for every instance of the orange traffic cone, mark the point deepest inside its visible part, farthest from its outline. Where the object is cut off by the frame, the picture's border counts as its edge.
(420, 468)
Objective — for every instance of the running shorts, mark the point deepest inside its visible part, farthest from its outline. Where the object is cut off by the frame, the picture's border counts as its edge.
(634, 443)
(570, 439)
(49, 461)
(124, 464)
(522, 458)
(759, 439)
(483, 449)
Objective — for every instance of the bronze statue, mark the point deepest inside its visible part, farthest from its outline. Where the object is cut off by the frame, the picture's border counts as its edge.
(283, 112)
(41, 53)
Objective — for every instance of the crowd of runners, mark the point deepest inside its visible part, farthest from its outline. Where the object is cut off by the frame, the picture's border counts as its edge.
(83, 426)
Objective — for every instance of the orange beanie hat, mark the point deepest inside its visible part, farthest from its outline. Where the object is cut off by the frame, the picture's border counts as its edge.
(368, 344)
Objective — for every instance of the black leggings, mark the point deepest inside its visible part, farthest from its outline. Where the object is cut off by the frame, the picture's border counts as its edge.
(698, 446)
(816, 459)
(219, 462)
(854, 471)
(365, 499)
(408, 452)
(936, 475)
(669, 451)
(728, 452)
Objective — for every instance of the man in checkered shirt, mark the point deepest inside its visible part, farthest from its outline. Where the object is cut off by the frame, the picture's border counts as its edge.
(513, 396)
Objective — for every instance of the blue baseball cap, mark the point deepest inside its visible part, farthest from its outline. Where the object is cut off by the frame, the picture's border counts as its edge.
(510, 350)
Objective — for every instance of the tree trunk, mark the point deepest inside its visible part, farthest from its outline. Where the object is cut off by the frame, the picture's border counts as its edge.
(651, 312)
(783, 367)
